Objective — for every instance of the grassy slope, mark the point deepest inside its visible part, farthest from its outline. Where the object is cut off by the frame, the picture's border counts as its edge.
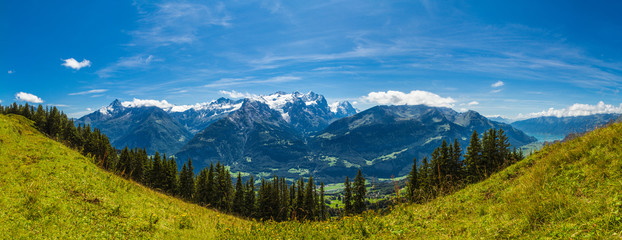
(50, 191)
(569, 190)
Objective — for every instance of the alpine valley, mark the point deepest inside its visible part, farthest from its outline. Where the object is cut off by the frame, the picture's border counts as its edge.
(291, 134)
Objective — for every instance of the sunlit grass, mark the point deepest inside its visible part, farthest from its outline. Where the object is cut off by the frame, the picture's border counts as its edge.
(571, 190)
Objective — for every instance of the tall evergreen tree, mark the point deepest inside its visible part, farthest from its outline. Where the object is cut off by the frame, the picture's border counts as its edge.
(201, 189)
(473, 160)
(238, 199)
(413, 183)
(322, 202)
(210, 191)
(249, 198)
(186, 180)
(425, 177)
(309, 201)
(359, 193)
(347, 198)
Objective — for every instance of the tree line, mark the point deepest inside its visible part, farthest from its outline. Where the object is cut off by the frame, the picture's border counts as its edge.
(213, 187)
(447, 170)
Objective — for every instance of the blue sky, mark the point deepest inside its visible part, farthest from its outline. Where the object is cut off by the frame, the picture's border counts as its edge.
(509, 58)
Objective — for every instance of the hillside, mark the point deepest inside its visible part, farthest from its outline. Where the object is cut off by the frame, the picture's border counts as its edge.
(569, 190)
(51, 191)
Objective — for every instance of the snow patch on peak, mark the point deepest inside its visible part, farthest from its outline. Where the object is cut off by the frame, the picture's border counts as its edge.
(276, 100)
(334, 107)
(147, 103)
(341, 107)
(106, 110)
(279, 100)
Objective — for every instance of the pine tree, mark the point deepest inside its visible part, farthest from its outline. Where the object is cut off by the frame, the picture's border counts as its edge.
(347, 198)
(359, 193)
(186, 180)
(210, 191)
(52, 126)
(299, 209)
(473, 159)
(322, 203)
(124, 162)
(425, 177)
(249, 198)
(503, 149)
(456, 162)
(155, 174)
(309, 201)
(238, 199)
(413, 183)
(202, 192)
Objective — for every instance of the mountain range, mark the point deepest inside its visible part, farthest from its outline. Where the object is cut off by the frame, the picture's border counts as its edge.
(556, 128)
(291, 134)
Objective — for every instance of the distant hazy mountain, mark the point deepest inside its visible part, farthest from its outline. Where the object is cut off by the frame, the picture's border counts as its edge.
(500, 119)
(148, 127)
(556, 128)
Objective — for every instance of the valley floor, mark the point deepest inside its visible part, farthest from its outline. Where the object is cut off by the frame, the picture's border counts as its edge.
(569, 190)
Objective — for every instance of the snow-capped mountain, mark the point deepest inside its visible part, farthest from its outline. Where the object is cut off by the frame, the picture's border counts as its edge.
(148, 127)
(308, 112)
(305, 113)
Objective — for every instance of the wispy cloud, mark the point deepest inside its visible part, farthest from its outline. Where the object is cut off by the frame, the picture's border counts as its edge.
(415, 97)
(11, 72)
(236, 94)
(74, 64)
(27, 97)
(89, 92)
(497, 84)
(496, 90)
(179, 23)
(125, 63)
(251, 81)
(473, 103)
(576, 109)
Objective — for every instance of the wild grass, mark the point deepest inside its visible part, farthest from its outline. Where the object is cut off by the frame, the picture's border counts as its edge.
(50, 191)
(571, 190)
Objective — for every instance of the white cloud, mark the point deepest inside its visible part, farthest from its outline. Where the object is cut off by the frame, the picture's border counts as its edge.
(497, 84)
(89, 92)
(473, 103)
(576, 109)
(147, 103)
(415, 97)
(72, 63)
(11, 71)
(236, 94)
(27, 97)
